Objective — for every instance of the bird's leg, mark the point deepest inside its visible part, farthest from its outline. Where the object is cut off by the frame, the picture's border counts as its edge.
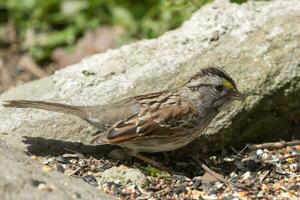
(149, 161)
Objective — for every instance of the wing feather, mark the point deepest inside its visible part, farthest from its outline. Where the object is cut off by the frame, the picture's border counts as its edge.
(149, 120)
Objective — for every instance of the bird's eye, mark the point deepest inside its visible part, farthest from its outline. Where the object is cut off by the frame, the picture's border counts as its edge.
(219, 88)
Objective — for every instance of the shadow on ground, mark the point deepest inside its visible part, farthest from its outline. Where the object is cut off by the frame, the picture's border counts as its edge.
(40, 146)
(177, 160)
(50, 147)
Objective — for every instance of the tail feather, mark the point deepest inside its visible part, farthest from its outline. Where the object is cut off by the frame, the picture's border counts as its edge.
(55, 107)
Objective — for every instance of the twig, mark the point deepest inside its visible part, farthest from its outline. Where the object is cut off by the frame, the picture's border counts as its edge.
(249, 158)
(217, 176)
(264, 175)
(273, 145)
(240, 152)
(290, 156)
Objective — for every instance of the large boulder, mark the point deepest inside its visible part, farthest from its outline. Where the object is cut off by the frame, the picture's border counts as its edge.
(258, 43)
(23, 178)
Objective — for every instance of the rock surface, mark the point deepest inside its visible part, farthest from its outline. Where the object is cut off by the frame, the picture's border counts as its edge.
(22, 178)
(258, 43)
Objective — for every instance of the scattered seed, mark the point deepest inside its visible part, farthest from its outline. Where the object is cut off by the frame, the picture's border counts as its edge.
(266, 173)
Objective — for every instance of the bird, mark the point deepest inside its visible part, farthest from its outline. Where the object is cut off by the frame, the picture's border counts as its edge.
(154, 122)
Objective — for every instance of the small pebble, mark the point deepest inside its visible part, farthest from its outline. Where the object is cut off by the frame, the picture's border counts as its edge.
(259, 152)
(294, 167)
(246, 175)
(62, 159)
(270, 174)
(45, 188)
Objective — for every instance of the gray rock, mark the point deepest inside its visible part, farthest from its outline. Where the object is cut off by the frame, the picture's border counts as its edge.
(258, 43)
(23, 178)
(123, 175)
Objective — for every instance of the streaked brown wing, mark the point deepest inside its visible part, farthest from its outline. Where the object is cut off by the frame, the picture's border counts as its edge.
(117, 115)
(116, 112)
(167, 112)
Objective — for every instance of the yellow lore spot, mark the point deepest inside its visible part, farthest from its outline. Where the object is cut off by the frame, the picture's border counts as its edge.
(228, 85)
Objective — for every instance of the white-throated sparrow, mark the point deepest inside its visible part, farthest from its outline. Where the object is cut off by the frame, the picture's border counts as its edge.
(154, 122)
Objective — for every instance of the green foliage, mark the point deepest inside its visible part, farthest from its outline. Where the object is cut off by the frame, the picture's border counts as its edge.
(238, 1)
(42, 25)
(243, 1)
(155, 172)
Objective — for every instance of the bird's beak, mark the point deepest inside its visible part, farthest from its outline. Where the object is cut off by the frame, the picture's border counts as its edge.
(237, 95)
